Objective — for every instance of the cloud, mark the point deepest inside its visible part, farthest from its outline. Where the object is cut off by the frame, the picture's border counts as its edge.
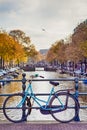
(57, 17)
(8, 6)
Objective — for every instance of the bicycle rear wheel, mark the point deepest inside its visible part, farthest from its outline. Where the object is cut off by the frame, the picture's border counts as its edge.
(13, 111)
(66, 110)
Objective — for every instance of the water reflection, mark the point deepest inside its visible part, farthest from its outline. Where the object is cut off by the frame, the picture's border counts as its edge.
(42, 87)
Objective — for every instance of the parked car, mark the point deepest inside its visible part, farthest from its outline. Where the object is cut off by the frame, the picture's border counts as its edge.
(3, 71)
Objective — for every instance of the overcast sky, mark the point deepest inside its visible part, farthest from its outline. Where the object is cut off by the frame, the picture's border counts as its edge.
(44, 21)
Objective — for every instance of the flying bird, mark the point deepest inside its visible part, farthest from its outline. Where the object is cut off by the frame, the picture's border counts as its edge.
(43, 29)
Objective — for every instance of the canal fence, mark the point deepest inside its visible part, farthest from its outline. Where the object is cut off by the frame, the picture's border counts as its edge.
(74, 79)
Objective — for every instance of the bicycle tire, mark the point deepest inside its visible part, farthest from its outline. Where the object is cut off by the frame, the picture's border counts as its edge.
(65, 113)
(11, 110)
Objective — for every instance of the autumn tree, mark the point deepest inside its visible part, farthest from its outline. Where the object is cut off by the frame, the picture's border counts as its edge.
(21, 37)
(83, 47)
(80, 33)
(20, 55)
(9, 49)
(51, 56)
(6, 47)
(76, 50)
(57, 52)
(72, 50)
(79, 39)
(73, 53)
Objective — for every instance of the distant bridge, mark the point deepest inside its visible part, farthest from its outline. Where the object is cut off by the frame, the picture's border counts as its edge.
(34, 67)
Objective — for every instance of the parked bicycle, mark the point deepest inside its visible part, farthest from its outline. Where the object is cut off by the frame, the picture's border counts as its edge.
(62, 105)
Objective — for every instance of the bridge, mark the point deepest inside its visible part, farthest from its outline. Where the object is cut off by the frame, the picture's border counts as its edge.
(46, 125)
(33, 68)
(45, 66)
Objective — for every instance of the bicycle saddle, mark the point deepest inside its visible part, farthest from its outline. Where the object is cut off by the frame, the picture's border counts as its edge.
(54, 83)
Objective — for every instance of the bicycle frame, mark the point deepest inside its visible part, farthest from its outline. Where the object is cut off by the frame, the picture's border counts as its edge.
(29, 92)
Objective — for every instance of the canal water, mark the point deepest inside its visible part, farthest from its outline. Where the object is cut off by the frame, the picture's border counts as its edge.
(43, 87)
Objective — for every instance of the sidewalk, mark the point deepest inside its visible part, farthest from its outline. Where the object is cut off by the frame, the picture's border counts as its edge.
(43, 126)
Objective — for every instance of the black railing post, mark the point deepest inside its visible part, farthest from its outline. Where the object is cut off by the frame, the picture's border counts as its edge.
(76, 96)
(23, 88)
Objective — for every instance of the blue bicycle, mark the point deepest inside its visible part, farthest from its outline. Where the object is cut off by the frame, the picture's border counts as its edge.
(62, 105)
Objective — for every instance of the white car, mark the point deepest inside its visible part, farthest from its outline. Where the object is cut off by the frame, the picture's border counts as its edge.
(1, 74)
(3, 71)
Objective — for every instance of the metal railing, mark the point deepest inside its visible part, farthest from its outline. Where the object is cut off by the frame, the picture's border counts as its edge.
(75, 80)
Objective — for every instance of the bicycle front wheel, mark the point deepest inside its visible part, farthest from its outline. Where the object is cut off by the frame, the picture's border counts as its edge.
(65, 107)
(13, 109)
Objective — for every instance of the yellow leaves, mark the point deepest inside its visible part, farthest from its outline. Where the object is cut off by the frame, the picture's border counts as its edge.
(19, 52)
(9, 48)
(57, 51)
(6, 44)
(50, 55)
(73, 53)
(30, 51)
(83, 47)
